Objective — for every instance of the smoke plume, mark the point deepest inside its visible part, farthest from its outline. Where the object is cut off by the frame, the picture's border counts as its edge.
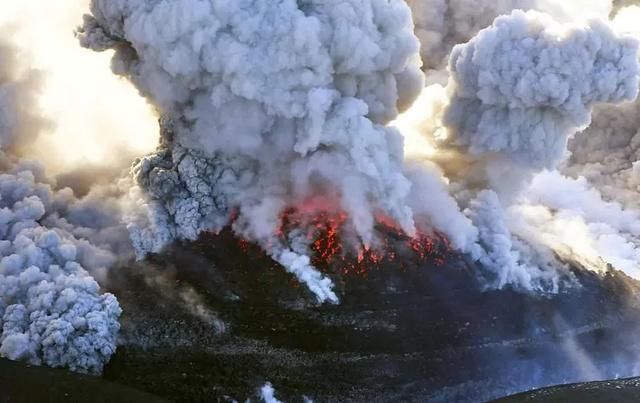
(266, 104)
(516, 93)
(523, 86)
(52, 311)
(254, 123)
(321, 106)
(442, 24)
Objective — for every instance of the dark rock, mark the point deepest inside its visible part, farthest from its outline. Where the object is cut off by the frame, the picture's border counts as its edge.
(20, 383)
(620, 391)
(415, 330)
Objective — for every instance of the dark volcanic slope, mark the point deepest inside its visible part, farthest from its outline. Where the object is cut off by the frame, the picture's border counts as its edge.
(20, 383)
(217, 318)
(620, 391)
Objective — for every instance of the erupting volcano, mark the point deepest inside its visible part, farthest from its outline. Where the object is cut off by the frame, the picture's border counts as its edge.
(428, 195)
(334, 247)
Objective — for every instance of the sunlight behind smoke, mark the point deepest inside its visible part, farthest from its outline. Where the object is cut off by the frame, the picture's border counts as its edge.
(626, 20)
(421, 123)
(409, 122)
(512, 151)
(565, 235)
(94, 112)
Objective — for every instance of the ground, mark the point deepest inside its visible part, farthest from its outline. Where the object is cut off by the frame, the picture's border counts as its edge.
(216, 319)
(20, 383)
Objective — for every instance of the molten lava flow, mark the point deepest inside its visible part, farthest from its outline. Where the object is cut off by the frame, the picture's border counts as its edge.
(332, 248)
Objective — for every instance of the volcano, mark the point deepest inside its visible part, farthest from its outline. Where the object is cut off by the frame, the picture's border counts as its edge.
(337, 200)
(214, 319)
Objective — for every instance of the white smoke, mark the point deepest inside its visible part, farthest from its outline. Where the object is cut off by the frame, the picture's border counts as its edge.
(510, 261)
(526, 124)
(268, 394)
(265, 105)
(567, 212)
(593, 211)
(517, 92)
(442, 24)
(52, 311)
(260, 116)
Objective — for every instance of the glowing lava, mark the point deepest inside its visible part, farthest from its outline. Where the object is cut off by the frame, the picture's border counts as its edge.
(333, 246)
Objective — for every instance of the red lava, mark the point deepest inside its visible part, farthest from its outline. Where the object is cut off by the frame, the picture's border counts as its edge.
(327, 234)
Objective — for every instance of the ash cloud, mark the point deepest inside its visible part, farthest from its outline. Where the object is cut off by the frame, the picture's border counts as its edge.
(260, 116)
(52, 310)
(587, 204)
(442, 24)
(520, 88)
(268, 103)
(516, 93)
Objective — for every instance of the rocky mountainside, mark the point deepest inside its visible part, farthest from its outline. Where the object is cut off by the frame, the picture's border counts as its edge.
(216, 319)
(619, 391)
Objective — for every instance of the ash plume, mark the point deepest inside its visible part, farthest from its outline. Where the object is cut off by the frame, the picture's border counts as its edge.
(520, 88)
(254, 123)
(580, 211)
(516, 93)
(442, 24)
(594, 191)
(52, 311)
(268, 103)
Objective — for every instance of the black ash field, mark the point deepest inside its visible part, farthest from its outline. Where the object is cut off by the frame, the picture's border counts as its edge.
(214, 320)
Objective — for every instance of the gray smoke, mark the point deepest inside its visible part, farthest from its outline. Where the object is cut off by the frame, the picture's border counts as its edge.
(517, 92)
(508, 260)
(520, 88)
(266, 104)
(575, 206)
(269, 104)
(52, 311)
(593, 209)
(442, 24)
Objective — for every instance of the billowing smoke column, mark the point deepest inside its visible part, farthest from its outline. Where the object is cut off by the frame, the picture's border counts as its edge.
(521, 87)
(266, 104)
(272, 104)
(603, 178)
(516, 93)
(442, 24)
(52, 311)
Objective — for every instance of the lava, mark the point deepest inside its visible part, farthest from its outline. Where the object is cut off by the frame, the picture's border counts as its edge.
(334, 247)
